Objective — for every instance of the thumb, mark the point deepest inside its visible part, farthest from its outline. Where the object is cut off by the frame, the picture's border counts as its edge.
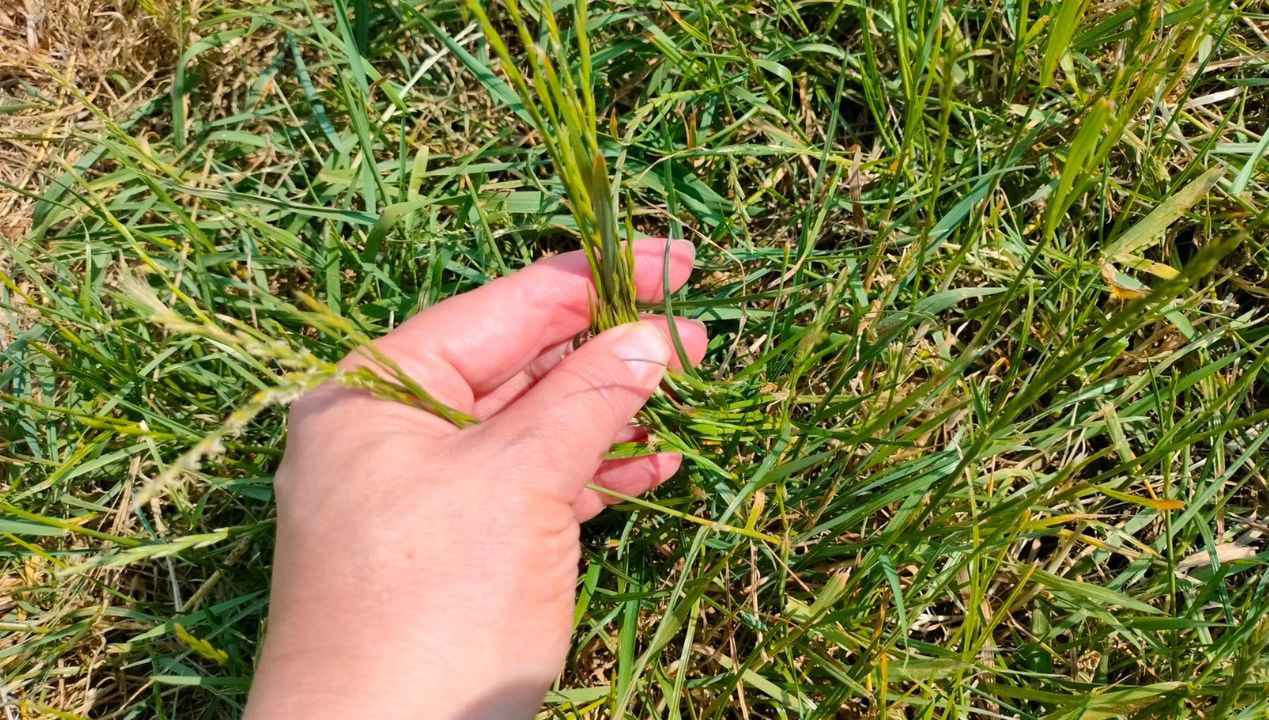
(569, 419)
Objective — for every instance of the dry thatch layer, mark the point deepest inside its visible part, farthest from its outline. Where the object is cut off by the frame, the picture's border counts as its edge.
(115, 53)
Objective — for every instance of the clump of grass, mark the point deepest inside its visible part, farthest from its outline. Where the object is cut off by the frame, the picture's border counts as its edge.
(560, 103)
(557, 97)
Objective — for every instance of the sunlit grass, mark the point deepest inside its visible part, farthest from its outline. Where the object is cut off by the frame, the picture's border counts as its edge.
(981, 427)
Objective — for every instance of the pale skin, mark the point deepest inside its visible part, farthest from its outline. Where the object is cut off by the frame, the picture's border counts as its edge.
(423, 571)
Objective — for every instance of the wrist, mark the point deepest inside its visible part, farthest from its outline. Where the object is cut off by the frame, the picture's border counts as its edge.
(338, 683)
(404, 641)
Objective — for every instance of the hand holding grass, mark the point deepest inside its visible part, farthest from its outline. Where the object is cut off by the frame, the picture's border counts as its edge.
(428, 571)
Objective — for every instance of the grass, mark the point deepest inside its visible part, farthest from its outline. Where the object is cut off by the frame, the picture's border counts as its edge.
(982, 427)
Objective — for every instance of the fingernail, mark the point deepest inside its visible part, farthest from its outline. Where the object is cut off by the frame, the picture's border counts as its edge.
(680, 322)
(644, 349)
(683, 246)
(676, 247)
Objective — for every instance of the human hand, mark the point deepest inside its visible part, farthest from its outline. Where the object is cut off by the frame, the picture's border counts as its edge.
(423, 570)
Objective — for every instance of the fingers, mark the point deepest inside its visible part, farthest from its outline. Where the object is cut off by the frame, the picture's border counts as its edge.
(490, 403)
(470, 344)
(567, 421)
(692, 333)
(630, 476)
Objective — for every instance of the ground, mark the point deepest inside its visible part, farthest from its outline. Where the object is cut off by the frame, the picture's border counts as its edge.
(983, 415)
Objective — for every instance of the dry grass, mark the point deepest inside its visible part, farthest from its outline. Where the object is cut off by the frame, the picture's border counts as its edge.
(53, 55)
